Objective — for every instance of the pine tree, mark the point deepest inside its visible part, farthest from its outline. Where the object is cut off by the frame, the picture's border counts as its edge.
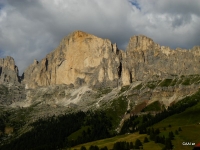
(104, 148)
(152, 137)
(162, 140)
(127, 146)
(157, 131)
(176, 132)
(171, 135)
(148, 131)
(91, 147)
(168, 144)
(131, 145)
(146, 140)
(96, 147)
(157, 139)
(83, 148)
(138, 143)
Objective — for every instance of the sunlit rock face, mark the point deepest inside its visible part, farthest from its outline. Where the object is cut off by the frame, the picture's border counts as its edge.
(84, 59)
(84, 64)
(80, 59)
(8, 71)
(145, 60)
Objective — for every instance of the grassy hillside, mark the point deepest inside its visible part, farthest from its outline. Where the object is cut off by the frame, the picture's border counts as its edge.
(188, 121)
(109, 142)
(185, 127)
(155, 106)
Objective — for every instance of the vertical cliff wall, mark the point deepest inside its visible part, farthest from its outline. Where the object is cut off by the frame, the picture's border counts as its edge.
(84, 59)
(8, 71)
(146, 60)
(80, 59)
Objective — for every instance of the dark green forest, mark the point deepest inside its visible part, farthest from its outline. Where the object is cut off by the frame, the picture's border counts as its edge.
(53, 132)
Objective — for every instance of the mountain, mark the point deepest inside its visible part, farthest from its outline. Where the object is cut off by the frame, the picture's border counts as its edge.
(83, 62)
(80, 59)
(86, 72)
(84, 59)
(83, 65)
(145, 59)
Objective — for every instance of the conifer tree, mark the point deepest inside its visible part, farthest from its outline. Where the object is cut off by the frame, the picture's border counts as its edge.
(168, 144)
(171, 135)
(146, 140)
(131, 145)
(138, 143)
(83, 148)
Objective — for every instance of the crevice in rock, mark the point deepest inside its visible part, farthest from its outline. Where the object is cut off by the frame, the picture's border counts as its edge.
(117, 51)
(21, 78)
(46, 64)
(131, 78)
(119, 69)
(61, 62)
(0, 70)
(143, 56)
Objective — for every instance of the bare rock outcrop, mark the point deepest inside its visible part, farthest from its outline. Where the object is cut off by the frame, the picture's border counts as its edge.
(84, 59)
(80, 59)
(145, 60)
(8, 71)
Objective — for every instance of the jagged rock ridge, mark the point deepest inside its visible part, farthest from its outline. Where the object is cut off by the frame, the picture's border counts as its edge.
(84, 59)
(145, 59)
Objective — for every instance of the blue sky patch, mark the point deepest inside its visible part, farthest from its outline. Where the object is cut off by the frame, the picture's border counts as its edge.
(135, 3)
(1, 53)
(1, 6)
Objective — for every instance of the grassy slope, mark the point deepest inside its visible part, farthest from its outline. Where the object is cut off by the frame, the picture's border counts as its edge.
(188, 121)
(77, 133)
(117, 109)
(155, 106)
(109, 142)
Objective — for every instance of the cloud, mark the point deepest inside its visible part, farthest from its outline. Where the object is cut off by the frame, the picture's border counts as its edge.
(30, 29)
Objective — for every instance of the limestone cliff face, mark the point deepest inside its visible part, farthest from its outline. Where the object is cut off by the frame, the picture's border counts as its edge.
(146, 60)
(8, 71)
(80, 59)
(84, 59)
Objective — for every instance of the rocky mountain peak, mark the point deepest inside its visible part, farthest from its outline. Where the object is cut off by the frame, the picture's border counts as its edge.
(140, 42)
(8, 70)
(79, 34)
(8, 62)
(84, 59)
(81, 58)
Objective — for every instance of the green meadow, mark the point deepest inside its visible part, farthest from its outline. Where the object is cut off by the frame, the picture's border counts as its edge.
(188, 121)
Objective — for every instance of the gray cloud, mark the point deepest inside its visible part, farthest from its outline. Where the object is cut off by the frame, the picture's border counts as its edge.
(30, 29)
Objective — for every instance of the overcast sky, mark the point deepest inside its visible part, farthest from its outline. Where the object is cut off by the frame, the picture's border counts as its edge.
(29, 29)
